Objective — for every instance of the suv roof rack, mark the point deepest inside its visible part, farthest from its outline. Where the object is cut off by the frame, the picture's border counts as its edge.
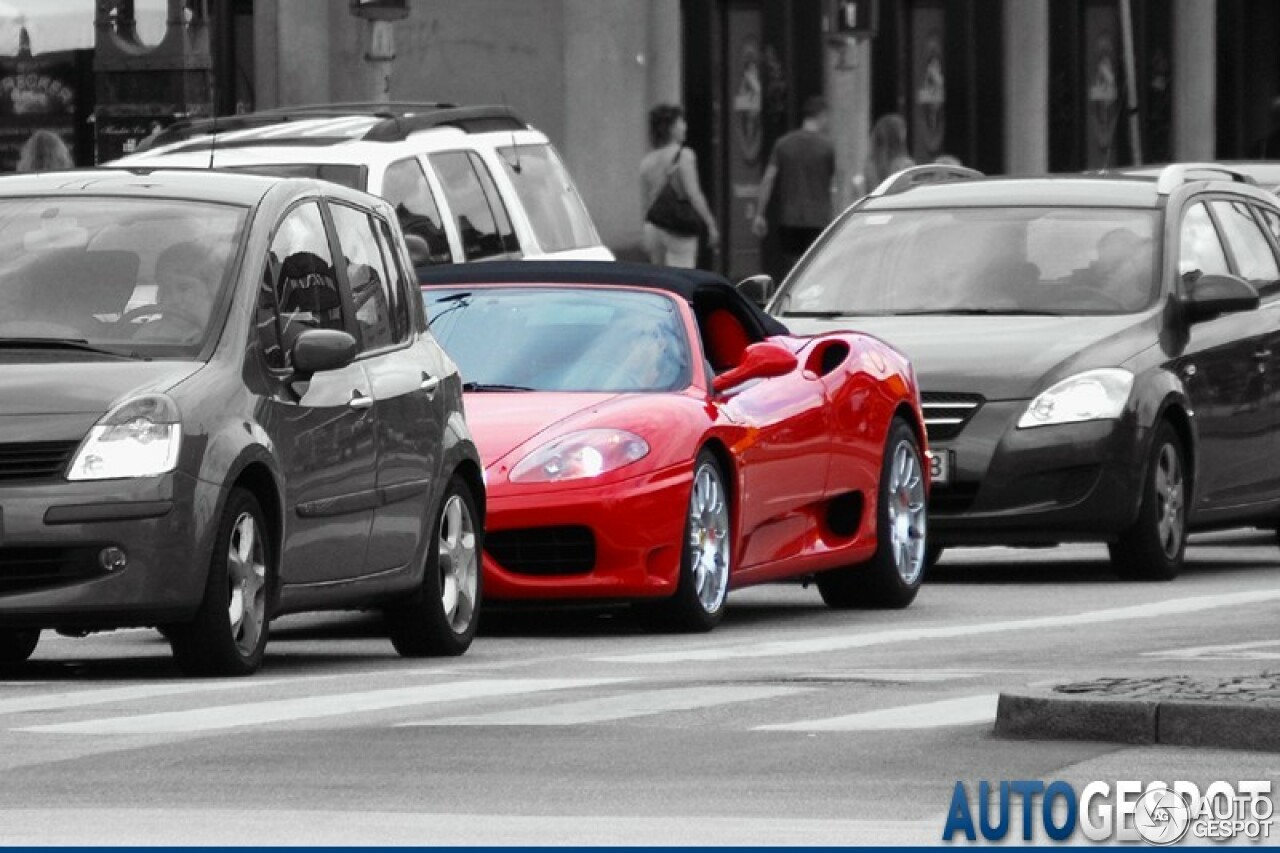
(398, 120)
(931, 173)
(1176, 174)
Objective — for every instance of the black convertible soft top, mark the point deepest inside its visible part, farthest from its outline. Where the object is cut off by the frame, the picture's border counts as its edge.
(697, 287)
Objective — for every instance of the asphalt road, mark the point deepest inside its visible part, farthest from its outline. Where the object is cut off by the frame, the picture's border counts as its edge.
(790, 724)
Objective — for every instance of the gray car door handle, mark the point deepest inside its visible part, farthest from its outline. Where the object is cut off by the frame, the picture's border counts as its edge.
(429, 383)
(359, 401)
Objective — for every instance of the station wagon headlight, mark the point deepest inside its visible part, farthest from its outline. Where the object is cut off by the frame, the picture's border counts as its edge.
(139, 438)
(582, 454)
(1094, 395)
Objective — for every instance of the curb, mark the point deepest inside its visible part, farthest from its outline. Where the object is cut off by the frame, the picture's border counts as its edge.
(1048, 715)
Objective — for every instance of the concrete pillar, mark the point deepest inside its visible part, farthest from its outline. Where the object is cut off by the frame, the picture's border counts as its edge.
(1026, 82)
(665, 52)
(848, 72)
(1195, 82)
(266, 65)
(303, 59)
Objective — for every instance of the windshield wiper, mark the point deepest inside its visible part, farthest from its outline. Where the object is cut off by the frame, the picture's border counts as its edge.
(61, 343)
(976, 312)
(493, 386)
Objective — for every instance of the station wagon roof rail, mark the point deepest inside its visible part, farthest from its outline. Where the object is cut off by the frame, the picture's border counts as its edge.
(931, 173)
(1177, 174)
(398, 121)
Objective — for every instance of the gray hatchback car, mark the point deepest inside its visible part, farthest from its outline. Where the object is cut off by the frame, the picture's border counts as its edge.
(219, 403)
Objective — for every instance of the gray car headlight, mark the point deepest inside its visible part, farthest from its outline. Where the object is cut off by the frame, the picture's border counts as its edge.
(139, 438)
(1094, 395)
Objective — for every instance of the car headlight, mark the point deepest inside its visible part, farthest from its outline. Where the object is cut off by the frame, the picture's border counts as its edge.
(579, 455)
(138, 438)
(1094, 395)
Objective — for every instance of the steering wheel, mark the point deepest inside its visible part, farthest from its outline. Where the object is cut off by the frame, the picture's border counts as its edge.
(155, 309)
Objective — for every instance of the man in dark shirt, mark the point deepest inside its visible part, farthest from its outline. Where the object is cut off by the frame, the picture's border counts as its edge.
(801, 167)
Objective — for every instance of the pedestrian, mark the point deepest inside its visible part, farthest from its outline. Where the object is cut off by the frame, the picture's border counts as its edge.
(887, 152)
(44, 151)
(669, 179)
(801, 167)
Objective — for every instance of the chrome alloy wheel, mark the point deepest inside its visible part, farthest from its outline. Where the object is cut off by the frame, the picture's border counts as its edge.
(908, 521)
(709, 538)
(247, 582)
(1170, 492)
(459, 564)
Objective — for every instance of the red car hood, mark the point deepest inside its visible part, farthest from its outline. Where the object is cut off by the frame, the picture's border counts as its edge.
(501, 421)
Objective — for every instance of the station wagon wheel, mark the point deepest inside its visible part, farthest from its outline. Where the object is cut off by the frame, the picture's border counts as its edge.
(706, 555)
(17, 644)
(1154, 547)
(441, 616)
(892, 577)
(229, 633)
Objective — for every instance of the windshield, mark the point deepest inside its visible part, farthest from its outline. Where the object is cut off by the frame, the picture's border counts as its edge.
(138, 277)
(980, 260)
(561, 339)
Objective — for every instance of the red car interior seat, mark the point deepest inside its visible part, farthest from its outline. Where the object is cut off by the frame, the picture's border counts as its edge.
(725, 339)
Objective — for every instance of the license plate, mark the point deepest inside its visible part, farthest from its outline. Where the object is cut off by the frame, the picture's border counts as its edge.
(940, 467)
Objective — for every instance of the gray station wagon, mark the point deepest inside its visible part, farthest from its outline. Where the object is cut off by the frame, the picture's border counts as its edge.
(219, 403)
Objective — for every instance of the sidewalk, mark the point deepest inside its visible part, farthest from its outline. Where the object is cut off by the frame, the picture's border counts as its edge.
(1231, 712)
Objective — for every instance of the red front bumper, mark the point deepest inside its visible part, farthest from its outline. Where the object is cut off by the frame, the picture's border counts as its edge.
(637, 526)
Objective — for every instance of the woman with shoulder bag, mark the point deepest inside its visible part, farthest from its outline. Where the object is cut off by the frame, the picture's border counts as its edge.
(676, 212)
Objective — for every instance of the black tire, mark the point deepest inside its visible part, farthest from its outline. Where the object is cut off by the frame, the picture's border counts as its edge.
(241, 568)
(1154, 547)
(706, 558)
(435, 622)
(892, 577)
(17, 644)
(932, 554)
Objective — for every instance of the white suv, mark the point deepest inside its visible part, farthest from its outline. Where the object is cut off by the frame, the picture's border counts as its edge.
(468, 183)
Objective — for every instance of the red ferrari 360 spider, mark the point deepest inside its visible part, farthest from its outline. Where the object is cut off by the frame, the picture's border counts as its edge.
(650, 435)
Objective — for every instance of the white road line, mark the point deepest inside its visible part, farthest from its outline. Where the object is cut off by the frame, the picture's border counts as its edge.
(929, 715)
(841, 642)
(610, 708)
(107, 695)
(1264, 650)
(311, 707)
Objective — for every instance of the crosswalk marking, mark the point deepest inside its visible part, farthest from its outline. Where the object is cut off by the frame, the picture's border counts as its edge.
(312, 707)
(107, 695)
(622, 707)
(895, 636)
(929, 715)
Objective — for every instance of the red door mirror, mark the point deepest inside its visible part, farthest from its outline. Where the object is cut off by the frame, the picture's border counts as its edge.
(759, 361)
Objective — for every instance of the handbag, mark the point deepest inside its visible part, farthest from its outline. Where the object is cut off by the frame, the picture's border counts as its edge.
(672, 212)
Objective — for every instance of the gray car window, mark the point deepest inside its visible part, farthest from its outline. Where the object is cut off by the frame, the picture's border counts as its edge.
(482, 219)
(366, 274)
(1199, 249)
(406, 188)
(1254, 259)
(300, 289)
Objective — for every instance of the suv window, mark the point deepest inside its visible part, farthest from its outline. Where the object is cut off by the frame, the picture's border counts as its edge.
(483, 223)
(559, 218)
(367, 276)
(405, 186)
(1254, 259)
(300, 289)
(1199, 247)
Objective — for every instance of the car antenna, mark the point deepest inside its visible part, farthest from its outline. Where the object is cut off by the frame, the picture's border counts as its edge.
(515, 146)
(213, 129)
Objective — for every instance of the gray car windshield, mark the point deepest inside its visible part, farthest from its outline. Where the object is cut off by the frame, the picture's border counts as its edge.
(561, 339)
(130, 277)
(1013, 260)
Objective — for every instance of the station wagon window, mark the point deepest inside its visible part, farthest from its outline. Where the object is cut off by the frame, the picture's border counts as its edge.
(559, 218)
(300, 289)
(1199, 247)
(367, 276)
(1272, 220)
(1254, 258)
(481, 217)
(406, 188)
